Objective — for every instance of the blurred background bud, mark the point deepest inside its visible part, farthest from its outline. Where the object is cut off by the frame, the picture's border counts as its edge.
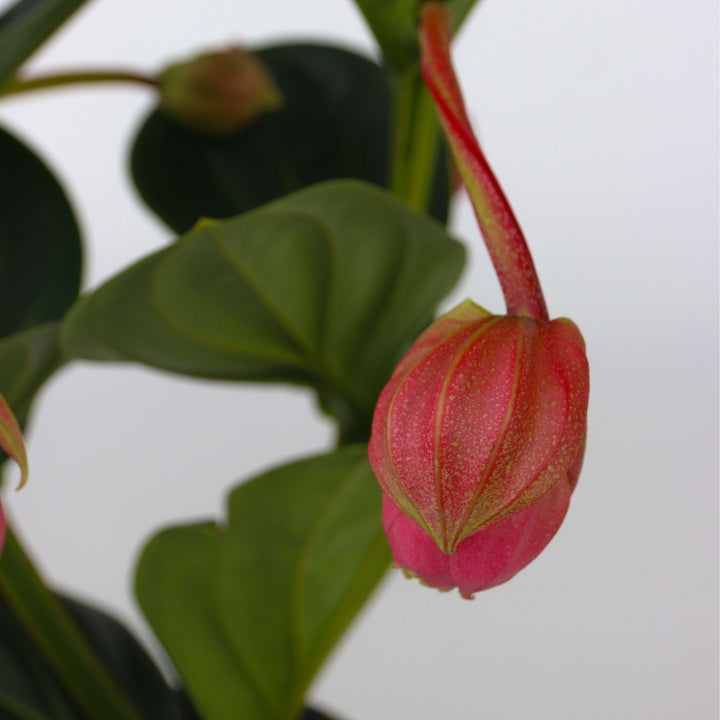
(218, 93)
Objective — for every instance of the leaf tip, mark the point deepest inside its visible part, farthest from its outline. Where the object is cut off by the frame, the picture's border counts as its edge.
(11, 440)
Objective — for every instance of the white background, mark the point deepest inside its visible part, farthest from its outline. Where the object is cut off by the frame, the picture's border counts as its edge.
(600, 117)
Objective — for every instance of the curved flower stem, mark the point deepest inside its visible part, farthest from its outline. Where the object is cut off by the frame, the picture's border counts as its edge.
(16, 86)
(503, 237)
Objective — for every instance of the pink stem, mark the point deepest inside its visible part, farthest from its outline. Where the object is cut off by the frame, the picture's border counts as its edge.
(503, 237)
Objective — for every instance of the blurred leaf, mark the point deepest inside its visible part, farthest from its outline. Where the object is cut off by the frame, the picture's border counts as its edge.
(394, 24)
(29, 689)
(27, 359)
(249, 613)
(40, 264)
(311, 714)
(57, 644)
(127, 662)
(40, 253)
(334, 123)
(26, 26)
(327, 287)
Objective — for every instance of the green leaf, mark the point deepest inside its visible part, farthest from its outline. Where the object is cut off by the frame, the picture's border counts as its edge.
(26, 26)
(327, 287)
(30, 690)
(334, 123)
(40, 265)
(59, 646)
(40, 253)
(311, 714)
(248, 613)
(126, 661)
(394, 24)
(27, 359)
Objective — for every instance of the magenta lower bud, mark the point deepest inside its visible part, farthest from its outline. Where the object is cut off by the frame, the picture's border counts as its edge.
(488, 558)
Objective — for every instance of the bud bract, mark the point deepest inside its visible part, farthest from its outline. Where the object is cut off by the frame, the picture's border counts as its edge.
(11, 441)
(476, 444)
(218, 93)
(3, 526)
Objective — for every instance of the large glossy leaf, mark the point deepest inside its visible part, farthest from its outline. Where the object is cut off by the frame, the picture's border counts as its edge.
(334, 123)
(326, 287)
(25, 26)
(394, 24)
(248, 613)
(30, 690)
(127, 662)
(40, 254)
(76, 657)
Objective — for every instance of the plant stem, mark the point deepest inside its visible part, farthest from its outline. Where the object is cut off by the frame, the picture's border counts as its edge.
(414, 142)
(58, 639)
(16, 86)
(423, 152)
(503, 237)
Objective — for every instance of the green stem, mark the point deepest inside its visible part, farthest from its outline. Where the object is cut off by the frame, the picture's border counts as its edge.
(57, 637)
(414, 142)
(16, 86)
(423, 153)
(404, 90)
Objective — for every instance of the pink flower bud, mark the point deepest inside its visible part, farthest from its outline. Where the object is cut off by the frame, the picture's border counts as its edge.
(476, 444)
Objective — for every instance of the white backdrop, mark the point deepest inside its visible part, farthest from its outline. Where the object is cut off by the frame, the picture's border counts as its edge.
(601, 120)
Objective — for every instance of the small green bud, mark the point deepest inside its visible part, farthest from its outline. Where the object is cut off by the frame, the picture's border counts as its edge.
(218, 93)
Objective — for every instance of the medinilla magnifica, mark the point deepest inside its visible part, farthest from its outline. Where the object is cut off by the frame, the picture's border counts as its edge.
(11, 441)
(478, 437)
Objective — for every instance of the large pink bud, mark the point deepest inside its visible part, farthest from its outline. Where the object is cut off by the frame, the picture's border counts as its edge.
(476, 444)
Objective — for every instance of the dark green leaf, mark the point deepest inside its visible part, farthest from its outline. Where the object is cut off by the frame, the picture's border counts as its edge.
(28, 688)
(311, 714)
(27, 359)
(394, 24)
(40, 264)
(26, 26)
(58, 643)
(335, 123)
(248, 613)
(40, 254)
(327, 287)
(127, 662)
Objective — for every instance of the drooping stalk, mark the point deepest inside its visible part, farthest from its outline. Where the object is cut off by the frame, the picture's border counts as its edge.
(16, 86)
(503, 237)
